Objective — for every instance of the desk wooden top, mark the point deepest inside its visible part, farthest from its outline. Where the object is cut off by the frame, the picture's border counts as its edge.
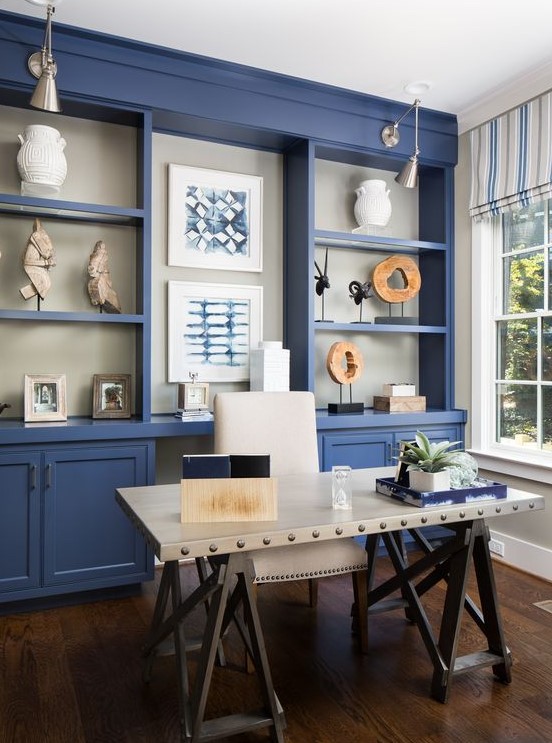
(305, 515)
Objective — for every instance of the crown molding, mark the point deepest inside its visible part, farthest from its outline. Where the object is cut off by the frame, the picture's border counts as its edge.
(202, 97)
(518, 91)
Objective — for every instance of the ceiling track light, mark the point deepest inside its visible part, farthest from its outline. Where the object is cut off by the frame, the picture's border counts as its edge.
(408, 177)
(42, 66)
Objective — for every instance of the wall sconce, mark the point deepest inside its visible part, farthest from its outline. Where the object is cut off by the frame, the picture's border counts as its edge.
(42, 66)
(408, 177)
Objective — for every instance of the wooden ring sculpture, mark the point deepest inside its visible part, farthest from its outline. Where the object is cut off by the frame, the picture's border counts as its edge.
(353, 358)
(409, 272)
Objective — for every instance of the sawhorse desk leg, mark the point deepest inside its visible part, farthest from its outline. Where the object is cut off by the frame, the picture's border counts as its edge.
(488, 618)
(450, 562)
(223, 591)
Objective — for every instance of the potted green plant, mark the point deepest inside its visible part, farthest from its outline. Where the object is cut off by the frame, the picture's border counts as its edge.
(427, 463)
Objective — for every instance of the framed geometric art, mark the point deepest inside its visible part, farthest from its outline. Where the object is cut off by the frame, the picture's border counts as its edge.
(212, 328)
(215, 219)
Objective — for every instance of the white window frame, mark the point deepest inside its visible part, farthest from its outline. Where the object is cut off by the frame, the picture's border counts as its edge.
(486, 295)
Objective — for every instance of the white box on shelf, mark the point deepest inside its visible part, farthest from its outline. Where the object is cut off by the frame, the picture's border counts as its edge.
(269, 368)
(399, 390)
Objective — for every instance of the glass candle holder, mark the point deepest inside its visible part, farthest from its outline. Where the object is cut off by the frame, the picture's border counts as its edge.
(342, 490)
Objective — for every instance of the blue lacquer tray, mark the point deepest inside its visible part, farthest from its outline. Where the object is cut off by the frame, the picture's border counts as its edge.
(482, 490)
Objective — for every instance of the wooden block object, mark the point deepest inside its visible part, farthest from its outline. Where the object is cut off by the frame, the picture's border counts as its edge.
(399, 390)
(399, 403)
(228, 499)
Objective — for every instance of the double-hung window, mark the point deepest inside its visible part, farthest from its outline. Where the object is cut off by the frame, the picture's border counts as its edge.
(512, 334)
(512, 285)
(523, 329)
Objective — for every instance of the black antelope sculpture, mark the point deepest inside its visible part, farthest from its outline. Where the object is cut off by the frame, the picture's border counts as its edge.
(322, 281)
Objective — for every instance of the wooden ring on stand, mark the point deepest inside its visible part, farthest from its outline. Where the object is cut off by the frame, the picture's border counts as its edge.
(409, 272)
(354, 360)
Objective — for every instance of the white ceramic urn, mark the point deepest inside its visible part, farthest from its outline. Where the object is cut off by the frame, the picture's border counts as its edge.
(373, 205)
(40, 160)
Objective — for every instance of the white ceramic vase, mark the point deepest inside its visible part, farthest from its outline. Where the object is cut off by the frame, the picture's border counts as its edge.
(373, 205)
(40, 160)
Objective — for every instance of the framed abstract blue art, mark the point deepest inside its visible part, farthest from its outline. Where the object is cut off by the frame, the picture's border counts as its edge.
(212, 328)
(215, 219)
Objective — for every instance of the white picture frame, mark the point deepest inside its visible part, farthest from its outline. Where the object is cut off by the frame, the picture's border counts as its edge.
(215, 219)
(212, 329)
(45, 397)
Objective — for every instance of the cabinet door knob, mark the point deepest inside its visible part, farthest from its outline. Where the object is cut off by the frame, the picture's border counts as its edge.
(48, 475)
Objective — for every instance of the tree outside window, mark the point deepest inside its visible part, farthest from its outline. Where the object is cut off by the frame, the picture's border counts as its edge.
(524, 330)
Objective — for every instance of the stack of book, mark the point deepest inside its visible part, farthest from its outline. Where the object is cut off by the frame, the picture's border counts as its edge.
(194, 415)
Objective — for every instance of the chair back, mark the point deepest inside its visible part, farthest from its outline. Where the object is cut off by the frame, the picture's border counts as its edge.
(282, 424)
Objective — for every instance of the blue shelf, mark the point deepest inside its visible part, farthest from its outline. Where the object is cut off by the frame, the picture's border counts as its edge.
(70, 210)
(353, 241)
(365, 327)
(371, 418)
(97, 317)
(17, 432)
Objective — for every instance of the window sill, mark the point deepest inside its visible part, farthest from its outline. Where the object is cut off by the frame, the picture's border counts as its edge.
(506, 463)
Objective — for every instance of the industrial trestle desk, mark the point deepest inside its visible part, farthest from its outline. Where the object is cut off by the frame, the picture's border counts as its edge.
(305, 515)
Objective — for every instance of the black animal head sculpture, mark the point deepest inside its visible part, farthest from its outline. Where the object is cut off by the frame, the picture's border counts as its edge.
(322, 280)
(359, 291)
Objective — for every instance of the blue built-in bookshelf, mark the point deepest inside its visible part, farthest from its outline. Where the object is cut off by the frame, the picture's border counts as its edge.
(50, 548)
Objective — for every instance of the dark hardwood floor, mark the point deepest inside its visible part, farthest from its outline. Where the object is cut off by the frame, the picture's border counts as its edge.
(74, 674)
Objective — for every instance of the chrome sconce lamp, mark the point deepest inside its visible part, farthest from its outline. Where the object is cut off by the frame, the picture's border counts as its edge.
(408, 177)
(42, 66)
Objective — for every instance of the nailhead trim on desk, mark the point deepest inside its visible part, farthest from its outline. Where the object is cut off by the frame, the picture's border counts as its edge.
(416, 520)
(311, 574)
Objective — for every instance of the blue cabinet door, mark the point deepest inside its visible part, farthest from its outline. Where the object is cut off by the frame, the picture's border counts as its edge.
(373, 447)
(358, 450)
(20, 541)
(88, 540)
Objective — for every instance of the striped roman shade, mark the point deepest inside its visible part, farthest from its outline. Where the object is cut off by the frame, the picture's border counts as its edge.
(511, 159)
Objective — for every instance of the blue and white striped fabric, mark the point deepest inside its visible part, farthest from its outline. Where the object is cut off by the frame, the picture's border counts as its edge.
(511, 158)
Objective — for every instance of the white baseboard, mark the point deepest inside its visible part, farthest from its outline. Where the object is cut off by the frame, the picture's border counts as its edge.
(524, 555)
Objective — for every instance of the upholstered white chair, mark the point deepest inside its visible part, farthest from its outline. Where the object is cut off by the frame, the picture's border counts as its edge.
(283, 424)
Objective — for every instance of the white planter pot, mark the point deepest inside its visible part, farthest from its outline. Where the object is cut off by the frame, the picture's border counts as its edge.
(40, 160)
(429, 482)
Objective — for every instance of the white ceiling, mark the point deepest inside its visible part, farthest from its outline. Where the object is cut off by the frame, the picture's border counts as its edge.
(480, 56)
